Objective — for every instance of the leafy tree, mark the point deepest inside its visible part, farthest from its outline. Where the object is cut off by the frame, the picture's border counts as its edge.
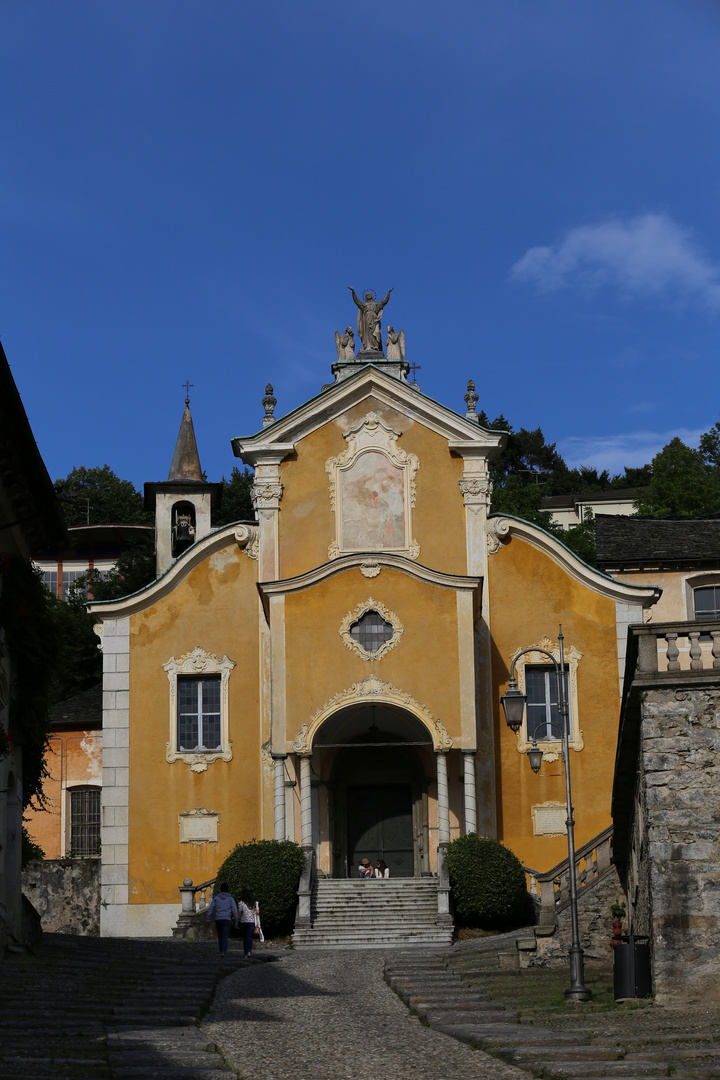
(94, 496)
(684, 481)
(79, 660)
(133, 571)
(236, 499)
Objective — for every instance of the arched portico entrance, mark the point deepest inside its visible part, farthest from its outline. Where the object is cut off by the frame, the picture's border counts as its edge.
(377, 761)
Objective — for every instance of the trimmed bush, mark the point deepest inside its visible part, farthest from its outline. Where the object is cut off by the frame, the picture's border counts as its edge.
(487, 883)
(270, 869)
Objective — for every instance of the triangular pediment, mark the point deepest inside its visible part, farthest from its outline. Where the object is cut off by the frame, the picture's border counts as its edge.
(279, 438)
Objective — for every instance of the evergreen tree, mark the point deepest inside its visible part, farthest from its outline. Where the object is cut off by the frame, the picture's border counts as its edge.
(236, 499)
(97, 496)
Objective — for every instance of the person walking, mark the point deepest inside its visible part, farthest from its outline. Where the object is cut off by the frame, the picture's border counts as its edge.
(225, 909)
(247, 920)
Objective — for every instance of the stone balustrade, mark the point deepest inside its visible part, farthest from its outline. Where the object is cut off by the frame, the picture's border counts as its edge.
(592, 861)
(667, 648)
(195, 898)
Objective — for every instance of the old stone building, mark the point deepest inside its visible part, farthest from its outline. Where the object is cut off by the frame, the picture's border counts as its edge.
(332, 670)
(665, 803)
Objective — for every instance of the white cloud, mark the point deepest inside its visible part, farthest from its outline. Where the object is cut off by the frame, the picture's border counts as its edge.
(614, 452)
(646, 255)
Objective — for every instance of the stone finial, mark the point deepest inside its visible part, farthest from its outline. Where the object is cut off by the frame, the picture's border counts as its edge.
(471, 400)
(269, 403)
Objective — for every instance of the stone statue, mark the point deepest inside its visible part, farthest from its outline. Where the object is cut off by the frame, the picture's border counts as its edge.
(369, 312)
(395, 344)
(345, 344)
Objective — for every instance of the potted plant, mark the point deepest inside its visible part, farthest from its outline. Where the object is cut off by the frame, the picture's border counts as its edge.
(618, 914)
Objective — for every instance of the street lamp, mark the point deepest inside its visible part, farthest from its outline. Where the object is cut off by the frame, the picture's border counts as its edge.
(513, 703)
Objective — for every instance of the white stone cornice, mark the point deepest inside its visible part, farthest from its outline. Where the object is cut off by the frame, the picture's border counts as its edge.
(464, 437)
(504, 526)
(177, 571)
(383, 560)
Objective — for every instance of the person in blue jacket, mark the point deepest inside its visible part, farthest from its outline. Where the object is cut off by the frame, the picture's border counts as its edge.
(225, 910)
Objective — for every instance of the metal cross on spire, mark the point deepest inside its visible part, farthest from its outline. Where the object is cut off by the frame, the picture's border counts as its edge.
(414, 369)
(187, 386)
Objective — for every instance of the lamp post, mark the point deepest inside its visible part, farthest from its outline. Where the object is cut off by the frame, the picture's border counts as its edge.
(513, 703)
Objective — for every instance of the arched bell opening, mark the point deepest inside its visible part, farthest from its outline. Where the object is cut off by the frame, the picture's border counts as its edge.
(183, 527)
(377, 765)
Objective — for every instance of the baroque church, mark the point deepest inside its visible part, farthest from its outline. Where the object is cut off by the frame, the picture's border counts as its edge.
(331, 672)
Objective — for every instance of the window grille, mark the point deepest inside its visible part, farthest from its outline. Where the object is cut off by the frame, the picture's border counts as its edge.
(371, 631)
(199, 714)
(85, 821)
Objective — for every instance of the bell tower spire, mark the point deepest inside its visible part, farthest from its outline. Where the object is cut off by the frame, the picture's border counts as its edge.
(182, 504)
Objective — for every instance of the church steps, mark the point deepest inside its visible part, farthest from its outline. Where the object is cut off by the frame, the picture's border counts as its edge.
(357, 914)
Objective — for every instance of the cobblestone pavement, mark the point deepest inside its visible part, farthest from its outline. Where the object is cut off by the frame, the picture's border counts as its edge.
(330, 1016)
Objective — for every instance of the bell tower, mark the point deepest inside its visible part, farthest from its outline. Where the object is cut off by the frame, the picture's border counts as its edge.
(184, 502)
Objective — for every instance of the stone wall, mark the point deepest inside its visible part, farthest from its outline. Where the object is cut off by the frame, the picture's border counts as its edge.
(680, 748)
(66, 893)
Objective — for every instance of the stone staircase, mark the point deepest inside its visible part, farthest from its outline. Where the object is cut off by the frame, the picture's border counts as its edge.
(374, 914)
(86, 1008)
(481, 994)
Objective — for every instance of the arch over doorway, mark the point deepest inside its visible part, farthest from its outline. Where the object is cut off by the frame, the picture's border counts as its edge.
(377, 762)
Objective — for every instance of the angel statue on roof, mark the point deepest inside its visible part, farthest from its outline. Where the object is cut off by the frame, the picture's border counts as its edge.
(369, 312)
(395, 344)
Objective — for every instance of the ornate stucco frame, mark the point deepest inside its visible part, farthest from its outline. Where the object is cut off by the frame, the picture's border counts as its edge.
(199, 662)
(551, 748)
(372, 688)
(357, 613)
(372, 433)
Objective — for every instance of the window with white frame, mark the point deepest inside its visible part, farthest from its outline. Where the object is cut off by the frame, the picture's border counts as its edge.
(544, 722)
(199, 721)
(198, 713)
(85, 821)
(706, 602)
(536, 678)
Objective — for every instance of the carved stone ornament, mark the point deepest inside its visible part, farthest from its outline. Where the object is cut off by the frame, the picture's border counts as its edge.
(369, 568)
(551, 748)
(266, 495)
(372, 500)
(199, 826)
(497, 530)
(357, 613)
(476, 491)
(372, 689)
(199, 662)
(248, 538)
(549, 819)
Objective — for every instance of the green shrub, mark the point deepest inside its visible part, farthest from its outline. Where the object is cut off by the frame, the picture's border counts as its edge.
(270, 869)
(487, 883)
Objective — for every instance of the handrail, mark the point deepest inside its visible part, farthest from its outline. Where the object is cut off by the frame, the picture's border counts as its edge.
(188, 890)
(553, 886)
(663, 649)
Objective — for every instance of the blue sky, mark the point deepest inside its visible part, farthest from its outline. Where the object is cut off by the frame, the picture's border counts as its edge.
(188, 188)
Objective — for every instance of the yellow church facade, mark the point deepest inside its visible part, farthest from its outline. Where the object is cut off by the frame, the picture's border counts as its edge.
(332, 672)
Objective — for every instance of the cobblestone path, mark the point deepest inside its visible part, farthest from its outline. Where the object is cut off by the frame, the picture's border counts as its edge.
(330, 1016)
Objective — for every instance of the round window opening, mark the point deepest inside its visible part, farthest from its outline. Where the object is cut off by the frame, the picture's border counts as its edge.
(371, 631)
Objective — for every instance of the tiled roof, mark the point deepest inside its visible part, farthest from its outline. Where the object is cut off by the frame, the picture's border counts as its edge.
(643, 542)
(83, 711)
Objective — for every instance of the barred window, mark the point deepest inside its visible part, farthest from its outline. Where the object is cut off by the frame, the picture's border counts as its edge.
(85, 821)
(198, 717)
(371, 631)
(543, 715)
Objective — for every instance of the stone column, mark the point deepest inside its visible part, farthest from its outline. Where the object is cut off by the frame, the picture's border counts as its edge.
(266, 494)
(279, 771)
(469, 794)
(306, 823)
(443, 801)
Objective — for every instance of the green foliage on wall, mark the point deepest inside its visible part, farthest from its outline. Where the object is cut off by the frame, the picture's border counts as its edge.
(270, 869)
(31, 638)
(487, 883)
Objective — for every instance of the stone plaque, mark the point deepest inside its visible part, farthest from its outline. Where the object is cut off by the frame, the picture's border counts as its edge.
(549, 819)
(198, 827)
